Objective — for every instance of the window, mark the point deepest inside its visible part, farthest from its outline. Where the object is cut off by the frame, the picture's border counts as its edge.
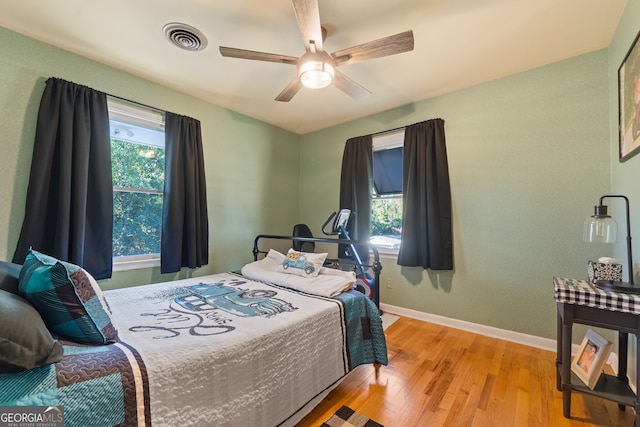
(137, 161)
(386, 194)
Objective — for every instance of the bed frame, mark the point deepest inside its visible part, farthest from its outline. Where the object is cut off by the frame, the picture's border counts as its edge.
(372, 264)
(201, 348)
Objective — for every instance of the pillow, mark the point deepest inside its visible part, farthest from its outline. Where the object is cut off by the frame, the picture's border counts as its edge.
(9, 273)
(25, 341)
(275, 256)
(68, 299)
(303, 264)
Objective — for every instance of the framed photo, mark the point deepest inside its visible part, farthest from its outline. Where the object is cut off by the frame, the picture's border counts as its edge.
(591, 357)
(629, 102)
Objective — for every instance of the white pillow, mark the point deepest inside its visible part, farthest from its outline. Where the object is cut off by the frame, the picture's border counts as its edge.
(303, 264)
(275, 256)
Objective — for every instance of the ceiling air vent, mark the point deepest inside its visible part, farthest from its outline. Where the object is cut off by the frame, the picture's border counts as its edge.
(185, 36)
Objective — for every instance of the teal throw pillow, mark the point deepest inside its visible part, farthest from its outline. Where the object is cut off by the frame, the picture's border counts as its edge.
(68, 298)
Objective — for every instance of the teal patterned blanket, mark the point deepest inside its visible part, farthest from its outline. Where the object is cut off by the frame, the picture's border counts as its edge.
(365, 336)
(97, 386)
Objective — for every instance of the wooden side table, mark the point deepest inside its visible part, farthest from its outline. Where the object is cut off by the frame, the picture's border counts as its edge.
(581, 302)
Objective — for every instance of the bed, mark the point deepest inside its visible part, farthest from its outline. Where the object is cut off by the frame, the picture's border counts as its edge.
(229, 349)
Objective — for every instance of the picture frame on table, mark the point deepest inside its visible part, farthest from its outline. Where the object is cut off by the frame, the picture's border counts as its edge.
(629, 102)
(591, 357)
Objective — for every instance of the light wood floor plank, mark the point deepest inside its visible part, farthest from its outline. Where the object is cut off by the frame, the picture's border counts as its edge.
(439, 376)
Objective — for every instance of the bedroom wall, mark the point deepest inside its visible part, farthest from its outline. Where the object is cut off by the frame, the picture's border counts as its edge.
(625, 177)
(251, 167)
(527, 160)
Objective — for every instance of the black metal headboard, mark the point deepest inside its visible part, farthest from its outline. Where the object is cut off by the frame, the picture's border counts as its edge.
(375, 266)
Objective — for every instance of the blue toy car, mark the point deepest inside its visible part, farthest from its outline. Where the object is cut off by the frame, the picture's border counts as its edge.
(298, 262)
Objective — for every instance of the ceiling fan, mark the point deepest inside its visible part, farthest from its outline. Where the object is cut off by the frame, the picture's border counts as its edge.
(317, 68)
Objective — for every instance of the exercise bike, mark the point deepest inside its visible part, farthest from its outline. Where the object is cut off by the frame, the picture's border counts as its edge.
(364, 281)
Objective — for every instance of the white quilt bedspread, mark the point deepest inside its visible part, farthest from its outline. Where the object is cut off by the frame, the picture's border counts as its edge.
(223, 350)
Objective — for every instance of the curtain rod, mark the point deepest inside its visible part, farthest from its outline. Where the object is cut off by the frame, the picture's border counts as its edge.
(111, 95)
(397, 129)
(138, 103)
(389, 130)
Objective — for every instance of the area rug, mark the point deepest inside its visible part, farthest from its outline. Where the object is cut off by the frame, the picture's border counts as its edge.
(347, 417)
(388, 320)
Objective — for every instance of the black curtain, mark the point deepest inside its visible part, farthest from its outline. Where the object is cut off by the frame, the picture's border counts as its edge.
(426, 219)
(69, 206)
(356, 182)
(185, 226)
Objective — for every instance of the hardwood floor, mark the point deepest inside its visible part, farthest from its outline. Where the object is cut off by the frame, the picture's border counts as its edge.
(439, 376)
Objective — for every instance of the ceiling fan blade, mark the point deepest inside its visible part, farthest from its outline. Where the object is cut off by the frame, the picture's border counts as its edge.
(349, 87)
(391, 45)
(289, 91)
(308, 17)
(258, 56)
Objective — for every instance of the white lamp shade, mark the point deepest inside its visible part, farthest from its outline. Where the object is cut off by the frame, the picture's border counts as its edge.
(600, 229)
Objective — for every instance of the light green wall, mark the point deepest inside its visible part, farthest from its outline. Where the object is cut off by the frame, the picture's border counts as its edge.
(625, 177)
(527, 159)
(251, 167)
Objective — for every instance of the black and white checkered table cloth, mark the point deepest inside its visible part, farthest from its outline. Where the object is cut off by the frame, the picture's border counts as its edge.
(582, 292)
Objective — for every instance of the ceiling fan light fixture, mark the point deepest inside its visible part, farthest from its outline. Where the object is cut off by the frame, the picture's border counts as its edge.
(316, 74)
(316, 67)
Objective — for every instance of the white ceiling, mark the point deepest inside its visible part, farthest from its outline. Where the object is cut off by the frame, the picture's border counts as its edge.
(458, 43)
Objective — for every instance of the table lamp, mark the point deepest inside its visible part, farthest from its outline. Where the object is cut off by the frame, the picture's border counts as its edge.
(600, 227)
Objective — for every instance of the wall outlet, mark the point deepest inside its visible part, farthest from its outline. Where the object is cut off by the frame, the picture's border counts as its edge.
(389, 284)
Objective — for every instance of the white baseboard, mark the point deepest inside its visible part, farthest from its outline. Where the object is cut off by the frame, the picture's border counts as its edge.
(503, 334)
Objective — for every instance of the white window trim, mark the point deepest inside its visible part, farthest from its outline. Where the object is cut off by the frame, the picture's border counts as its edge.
(387, 141)
(140, 117)
(388, 253)
(136, 114)
(133, 262)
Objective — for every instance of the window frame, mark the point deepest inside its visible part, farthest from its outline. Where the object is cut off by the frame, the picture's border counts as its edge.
(384, 141)
(132, 114)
